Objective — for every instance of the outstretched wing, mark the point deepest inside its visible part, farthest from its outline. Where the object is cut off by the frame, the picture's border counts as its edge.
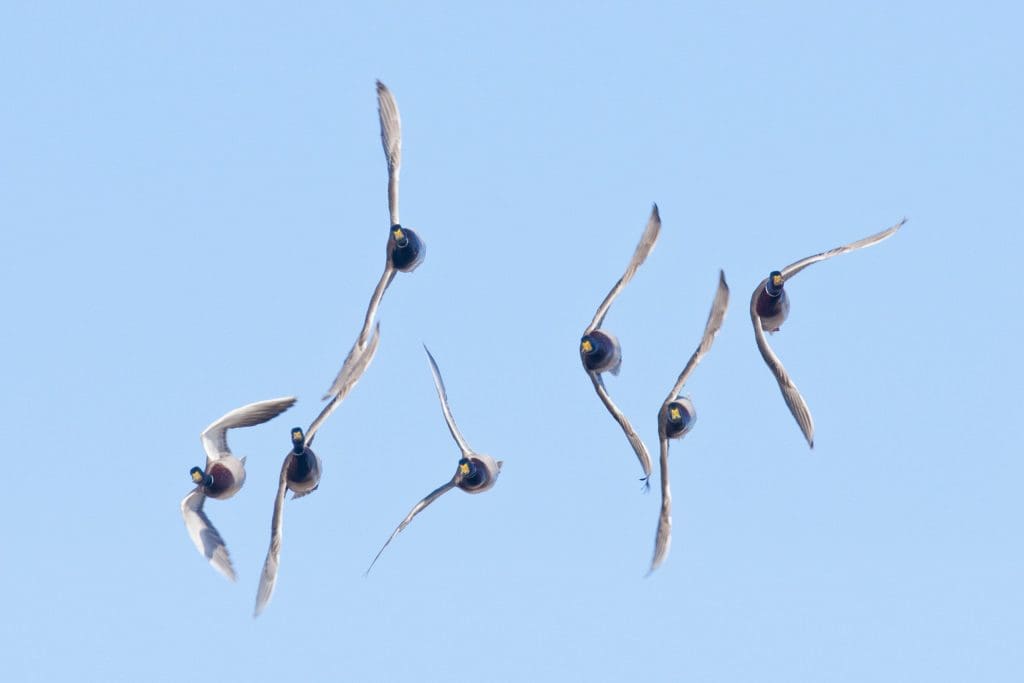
(790, 393)
(714, 324)
(353, 368)
(634, 438)
(359, 348)
(206, 538)
(434, 495)
(794, 268)
(391, 138)
(643, 248)
(268, 579)
(445, 408)
(215, 437)
(663, 540)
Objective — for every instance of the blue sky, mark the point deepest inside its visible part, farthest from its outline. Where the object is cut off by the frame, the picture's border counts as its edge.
(193, 210)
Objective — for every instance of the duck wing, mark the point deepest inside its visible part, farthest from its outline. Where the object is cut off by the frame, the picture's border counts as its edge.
(797, 405)
(634, 439)
(643, 249)
(215, 437)
(431, 497)
(391, 139)
(794, 268)
(204, 535)
(268, 579)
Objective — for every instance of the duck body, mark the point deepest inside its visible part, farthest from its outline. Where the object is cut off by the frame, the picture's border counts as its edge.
(772, 303)
(225, 477)
(406, 250)
(303, 472)
(600, 352)
(678, 417)
(478, 473)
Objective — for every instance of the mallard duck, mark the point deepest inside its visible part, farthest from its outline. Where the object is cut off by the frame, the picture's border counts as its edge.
(769, 307)
(475, 473)
(300, 474)
(222, 478)
(600, 350)
(405, 249)
(677, 417)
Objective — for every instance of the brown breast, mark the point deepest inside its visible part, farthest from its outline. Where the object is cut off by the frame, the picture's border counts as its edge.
(223, 480)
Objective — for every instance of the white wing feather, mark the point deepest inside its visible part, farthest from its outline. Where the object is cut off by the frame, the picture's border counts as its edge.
(204, 535)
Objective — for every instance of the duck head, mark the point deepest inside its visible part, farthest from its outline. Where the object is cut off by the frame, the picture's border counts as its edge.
(201, 478)
(774, 284)
(298, 440)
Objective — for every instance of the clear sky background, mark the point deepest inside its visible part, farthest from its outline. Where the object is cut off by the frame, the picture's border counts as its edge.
(193, 209)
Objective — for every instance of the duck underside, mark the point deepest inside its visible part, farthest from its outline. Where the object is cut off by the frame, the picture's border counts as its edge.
(225, 481)
(772, 310)
(481, 476)
(303, 472)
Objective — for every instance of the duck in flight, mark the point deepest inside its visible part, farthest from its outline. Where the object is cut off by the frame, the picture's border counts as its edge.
(769, 307)
(677, 417)
(405, 250)
(475, 473)
(300, 474)
(222, 478)
(600, 351)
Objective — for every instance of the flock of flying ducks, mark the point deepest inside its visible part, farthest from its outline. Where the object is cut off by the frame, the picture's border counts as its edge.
(769, 306)
(224, 473)
(600, 352)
